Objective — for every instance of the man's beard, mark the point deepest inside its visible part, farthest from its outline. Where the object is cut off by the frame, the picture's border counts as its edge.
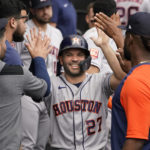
(68, 72)
(17, 37)
(41, 21)
(127, 54)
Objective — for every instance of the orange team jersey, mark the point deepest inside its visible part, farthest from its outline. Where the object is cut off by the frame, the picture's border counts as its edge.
(131, 107)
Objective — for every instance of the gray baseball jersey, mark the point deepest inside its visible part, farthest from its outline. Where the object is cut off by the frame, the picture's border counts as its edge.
(15, 81)
(98, 58)
(78, 115)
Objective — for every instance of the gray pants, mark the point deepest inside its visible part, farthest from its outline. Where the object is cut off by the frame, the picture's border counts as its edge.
(36, 125)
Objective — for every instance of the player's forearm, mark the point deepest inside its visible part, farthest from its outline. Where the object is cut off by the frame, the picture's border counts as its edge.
(40, 71)
(113, 61)
(119, 40)
(133, 144)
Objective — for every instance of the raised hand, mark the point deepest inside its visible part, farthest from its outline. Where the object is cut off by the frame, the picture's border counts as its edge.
(102, 38)
(110, 27)
(38, 46)
(116, 19)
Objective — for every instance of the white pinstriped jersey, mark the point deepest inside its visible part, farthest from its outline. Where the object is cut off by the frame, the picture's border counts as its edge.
(78, 115)
(55, 37)
(128, 7)
(98, 58)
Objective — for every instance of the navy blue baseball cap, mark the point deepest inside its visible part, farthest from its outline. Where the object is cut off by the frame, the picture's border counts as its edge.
(138, 23)
(3, 23)
(40, 3)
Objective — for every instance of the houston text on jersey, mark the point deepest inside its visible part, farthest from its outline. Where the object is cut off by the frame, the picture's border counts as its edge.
(77, 105)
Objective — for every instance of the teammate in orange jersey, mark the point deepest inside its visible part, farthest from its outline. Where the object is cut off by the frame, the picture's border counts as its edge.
(131, 102)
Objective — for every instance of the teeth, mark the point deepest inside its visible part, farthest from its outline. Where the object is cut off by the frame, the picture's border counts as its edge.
(75, 66)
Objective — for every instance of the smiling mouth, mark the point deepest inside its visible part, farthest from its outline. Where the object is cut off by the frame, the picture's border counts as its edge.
(75, 66)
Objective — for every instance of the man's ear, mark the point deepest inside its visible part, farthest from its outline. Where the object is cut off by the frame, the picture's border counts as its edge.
(87, 19)
(12, 22)
(51, 11)
(61, 59)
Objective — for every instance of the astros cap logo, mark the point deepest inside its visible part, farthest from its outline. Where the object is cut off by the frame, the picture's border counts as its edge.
(75, 40)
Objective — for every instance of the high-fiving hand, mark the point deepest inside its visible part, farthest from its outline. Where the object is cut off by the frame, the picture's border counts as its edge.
(110, 27)
(102, 38)
(38, 46)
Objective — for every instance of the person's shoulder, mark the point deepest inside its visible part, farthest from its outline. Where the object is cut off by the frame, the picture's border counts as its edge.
(90, 32)
(141, 70)
(139, 73)
(54, 30)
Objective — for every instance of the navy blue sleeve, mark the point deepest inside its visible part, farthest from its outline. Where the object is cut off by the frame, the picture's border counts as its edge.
(11, 56)
(40, 71)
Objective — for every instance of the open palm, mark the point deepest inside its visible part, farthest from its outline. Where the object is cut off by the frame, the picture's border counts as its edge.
(102, 38)
(38, 46)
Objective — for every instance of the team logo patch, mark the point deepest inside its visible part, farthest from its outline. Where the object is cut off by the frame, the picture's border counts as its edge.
(94, 53)
(75, 41)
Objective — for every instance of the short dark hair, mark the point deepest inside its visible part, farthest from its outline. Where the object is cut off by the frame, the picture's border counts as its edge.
(11, 8)
(107, 7)
(90, 5)
(142, 40)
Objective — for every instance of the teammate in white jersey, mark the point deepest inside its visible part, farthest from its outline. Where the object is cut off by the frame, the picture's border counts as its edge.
(128, 7)
(99, 62)
(78, 100)
(36, 126)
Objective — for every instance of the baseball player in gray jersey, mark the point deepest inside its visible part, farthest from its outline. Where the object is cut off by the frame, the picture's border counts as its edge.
(36, 127)
(16, 81)
(77, 102)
